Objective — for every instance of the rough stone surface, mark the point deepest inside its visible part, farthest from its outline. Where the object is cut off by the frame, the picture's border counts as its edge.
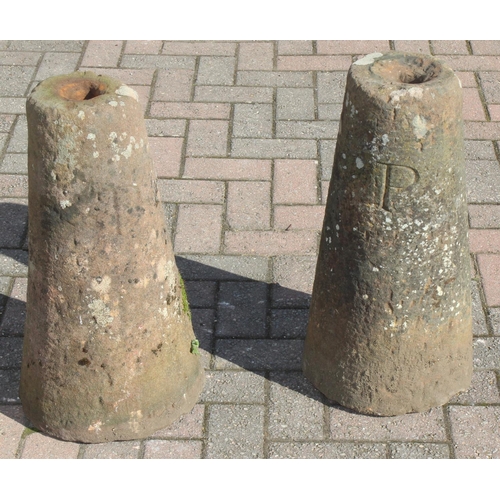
(107, 350)
(390, 321)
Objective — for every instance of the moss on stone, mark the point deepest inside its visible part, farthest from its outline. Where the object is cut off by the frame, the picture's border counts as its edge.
(185, 303)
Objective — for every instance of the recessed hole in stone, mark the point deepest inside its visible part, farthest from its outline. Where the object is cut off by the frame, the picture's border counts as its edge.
(81, 90)
(407, 69)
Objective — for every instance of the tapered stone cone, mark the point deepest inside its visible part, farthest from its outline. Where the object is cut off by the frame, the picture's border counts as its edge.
(390, 321)
(108, 339)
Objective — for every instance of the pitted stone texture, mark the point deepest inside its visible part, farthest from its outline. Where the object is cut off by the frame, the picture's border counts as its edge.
(108, 335)
(390, 322)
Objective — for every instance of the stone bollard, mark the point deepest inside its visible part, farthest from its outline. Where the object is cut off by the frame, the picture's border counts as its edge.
(390, 328)
(109, 350)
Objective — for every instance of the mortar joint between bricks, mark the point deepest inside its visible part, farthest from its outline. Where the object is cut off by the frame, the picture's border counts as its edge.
(482, 97)
(147, 111)
(82, 55)
(469, 47)
(447, 430)
(120, 56)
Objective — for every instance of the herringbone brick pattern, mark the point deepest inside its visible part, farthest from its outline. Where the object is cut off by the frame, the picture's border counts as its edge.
(243, 135)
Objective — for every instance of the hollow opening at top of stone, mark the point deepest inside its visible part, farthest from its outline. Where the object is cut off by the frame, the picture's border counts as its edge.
(407, 69)
(81, 90)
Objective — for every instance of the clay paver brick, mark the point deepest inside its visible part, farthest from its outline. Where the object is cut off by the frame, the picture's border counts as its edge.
(216, 70)
(13, 222)
(295, 409)
(479, 327)
(14, 163)
(224, 267)
(327, 450)
(47, 45)
(270, 242)
(482, 178)
(9, 386)
(474, 431)
(307, 129)
(198, 229)
(482, 130)
(103, 53)
(166, 153)
(483, 390)
(190, 191)
(242, 310)
(201, 293)
(6, 122)
(13, 186)
(237, 387)
(158, 62)
(327, 151)
(57, 63)
(142, 46)
(12, 425)
(494, 110)
(295, 272)
(188, 426)
(227, 169)
(116, 450)
(324, 191)
(486, 352)
(295, 104)
(425, 426)
(15, 80)
(38, 446)
(253, 120)
(473, 108)
(467, 78)
(487, 47)
(199, 48)
(14, 263)
(314, 63)
(331, 87)
(352, 46)
(207, 138)
(19, 141)
(128, 76)
(13, 105)
(484, 216)
(165, 128)
(289, 323)
(449, 47)
(235, 431)
(262, 354)
(173, 85)
(418, 46)
(299, 217)
(419, 450)
(484, 241)
(274, 148)
(479, 150)
(10, 352)
(494, 314)
(203, 326)
(256, 56)
(8, 58)
(156, 449)
(275, 78)
(248, 205)
(472, 63)
(225, 93)
(490, 82)
(295, 182)
(295, 47)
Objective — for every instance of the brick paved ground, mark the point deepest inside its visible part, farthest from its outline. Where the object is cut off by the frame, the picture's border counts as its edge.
(243, 135)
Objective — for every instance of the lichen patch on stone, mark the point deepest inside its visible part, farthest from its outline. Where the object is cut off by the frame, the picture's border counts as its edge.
(124, 90)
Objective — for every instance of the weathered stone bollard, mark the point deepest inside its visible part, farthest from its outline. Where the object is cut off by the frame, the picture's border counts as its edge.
(390, 321)
(108, 340)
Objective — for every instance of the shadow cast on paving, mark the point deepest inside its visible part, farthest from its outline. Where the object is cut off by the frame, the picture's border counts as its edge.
(242, 325)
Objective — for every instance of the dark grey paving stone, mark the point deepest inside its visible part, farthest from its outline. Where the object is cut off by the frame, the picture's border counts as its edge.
(242, 310)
